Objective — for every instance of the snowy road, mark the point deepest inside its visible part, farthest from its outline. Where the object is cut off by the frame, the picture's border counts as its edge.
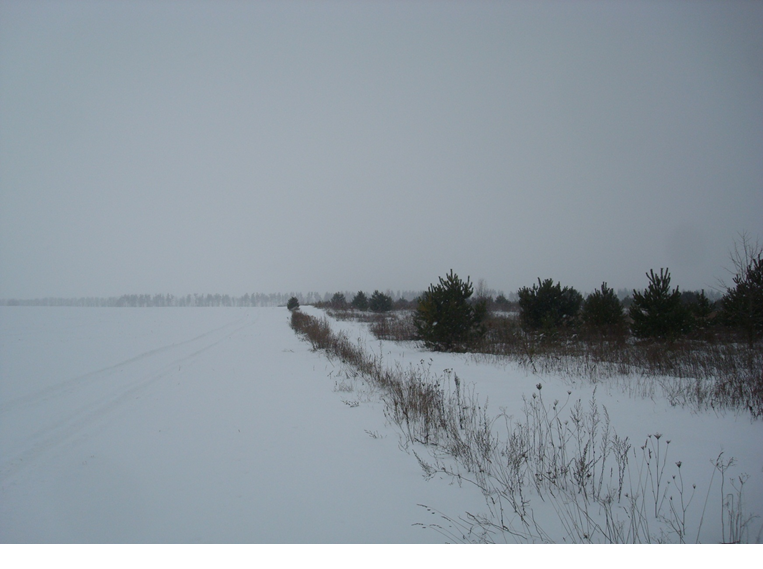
(195, 425)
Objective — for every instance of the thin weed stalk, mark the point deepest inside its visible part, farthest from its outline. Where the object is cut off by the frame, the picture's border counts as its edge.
(568, 457)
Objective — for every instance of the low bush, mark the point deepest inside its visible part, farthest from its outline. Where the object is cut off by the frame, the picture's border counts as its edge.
(395, 326)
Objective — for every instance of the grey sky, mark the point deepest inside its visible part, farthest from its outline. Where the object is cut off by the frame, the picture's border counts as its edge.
(241, 146)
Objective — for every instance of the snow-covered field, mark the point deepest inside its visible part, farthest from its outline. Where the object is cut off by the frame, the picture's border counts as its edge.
(192, 425)
(219, 425)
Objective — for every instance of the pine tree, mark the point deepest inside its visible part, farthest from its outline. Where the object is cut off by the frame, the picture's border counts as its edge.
(548, 306)
(657, 312)
(743, 303)
(445, 320)
(380, 302)
(338, 301)
(700, 308)
(502, 302)
(602, 308)
(360, 301)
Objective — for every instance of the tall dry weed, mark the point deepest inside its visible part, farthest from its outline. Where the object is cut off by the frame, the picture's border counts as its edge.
(562, 459)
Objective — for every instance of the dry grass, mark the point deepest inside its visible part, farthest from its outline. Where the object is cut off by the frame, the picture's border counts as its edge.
(562, 458)
(709, 370)
(703, 371)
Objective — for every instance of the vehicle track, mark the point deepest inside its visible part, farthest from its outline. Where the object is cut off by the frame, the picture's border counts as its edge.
(120, 384)
(82, 381)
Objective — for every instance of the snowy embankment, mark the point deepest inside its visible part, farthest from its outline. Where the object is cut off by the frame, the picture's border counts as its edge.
(220, 425)
(193, 425)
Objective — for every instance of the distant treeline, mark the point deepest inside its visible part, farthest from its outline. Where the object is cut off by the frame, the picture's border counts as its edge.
(404, 299)
(189, 300)
(166, 300)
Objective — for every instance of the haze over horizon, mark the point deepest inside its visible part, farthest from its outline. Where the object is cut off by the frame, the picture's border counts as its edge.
(237, 147)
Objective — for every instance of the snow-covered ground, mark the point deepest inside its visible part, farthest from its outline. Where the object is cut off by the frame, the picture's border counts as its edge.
(696, 438)
(192, 425)
(219, 425)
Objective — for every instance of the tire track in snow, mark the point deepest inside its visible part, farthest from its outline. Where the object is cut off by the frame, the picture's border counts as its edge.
(69, 386)
(83, 415)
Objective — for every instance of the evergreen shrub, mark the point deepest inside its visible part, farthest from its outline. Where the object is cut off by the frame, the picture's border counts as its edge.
(548, 306)
(657, 311)
(445, 320)
(380, 302)
(602, 309)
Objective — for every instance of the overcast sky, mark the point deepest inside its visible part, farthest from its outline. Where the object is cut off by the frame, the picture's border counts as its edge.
(233, 147)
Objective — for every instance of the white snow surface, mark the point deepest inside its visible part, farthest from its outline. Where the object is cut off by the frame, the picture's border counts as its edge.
(219, 425)
(191, 425)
